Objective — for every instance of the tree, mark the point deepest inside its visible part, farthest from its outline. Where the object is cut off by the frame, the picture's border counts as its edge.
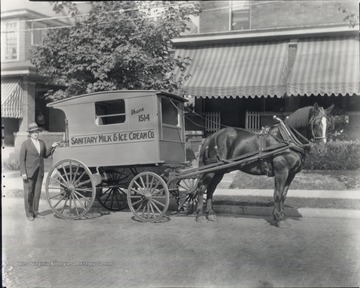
(351, 16)
(117, 45)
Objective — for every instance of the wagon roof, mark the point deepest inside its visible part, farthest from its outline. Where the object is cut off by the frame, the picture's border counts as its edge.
(92, 97)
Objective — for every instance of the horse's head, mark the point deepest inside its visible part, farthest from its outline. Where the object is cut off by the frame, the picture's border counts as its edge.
(319, 123)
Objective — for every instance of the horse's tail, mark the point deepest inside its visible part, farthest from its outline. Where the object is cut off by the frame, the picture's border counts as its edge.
(204, 151)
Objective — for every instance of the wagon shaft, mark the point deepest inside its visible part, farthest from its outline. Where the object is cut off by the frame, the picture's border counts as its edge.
(224, 164)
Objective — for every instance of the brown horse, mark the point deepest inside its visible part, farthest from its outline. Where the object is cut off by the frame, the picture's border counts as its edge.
(230, 143)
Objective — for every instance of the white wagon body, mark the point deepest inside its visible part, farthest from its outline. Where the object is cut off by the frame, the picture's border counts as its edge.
(123, 128)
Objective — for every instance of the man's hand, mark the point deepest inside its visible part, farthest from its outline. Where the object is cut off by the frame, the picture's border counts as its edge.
(55, 144)
(24, 177)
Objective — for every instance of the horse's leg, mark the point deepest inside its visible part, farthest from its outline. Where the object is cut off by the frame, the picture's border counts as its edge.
(209, 196)
(203, 184)
(281, 175)
(284, 194)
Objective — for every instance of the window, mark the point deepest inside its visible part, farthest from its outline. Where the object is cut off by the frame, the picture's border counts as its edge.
(215, 16)
(169, 110)
(224, 16)
(10, 41)
(38, 32)
(240, 15)
(110, 112)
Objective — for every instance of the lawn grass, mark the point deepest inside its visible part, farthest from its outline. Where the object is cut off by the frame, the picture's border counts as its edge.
(305, 180)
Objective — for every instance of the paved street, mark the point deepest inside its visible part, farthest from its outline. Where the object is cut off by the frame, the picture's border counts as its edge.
(114, 250)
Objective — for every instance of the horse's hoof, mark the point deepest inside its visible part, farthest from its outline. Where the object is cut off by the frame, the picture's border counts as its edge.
(212, 217)
(201, 219)
(283, 224)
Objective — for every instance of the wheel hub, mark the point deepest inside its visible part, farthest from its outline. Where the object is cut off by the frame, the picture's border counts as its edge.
(70, 189)
(147, 195)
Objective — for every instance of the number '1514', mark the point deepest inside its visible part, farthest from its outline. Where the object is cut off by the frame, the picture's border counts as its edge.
(143, 118)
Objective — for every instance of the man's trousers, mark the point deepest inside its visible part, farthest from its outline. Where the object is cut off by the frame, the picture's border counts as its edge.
(32, 191)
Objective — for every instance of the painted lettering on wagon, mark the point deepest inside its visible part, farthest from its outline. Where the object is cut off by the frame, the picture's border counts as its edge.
(118, 137)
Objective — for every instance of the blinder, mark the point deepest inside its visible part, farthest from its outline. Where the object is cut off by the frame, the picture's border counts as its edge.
(320, 115)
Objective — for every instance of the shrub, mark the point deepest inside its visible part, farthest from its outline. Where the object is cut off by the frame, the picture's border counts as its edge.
(339, 155)
(12, 162)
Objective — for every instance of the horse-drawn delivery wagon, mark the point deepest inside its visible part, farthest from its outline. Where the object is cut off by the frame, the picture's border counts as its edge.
(114, 139)
(109, 135)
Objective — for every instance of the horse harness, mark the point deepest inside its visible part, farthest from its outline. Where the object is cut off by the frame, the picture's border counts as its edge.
(312, 122)
(288, 139)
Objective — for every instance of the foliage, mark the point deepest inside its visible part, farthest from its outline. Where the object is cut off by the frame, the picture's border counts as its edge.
(339, 155)
(11, 163)
(117, 45)
(338, 125)
(350, 17)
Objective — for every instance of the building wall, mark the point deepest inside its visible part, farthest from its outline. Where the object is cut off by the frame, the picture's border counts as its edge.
(27, 42)
(297, 13)
(277, 14)
(22, 40)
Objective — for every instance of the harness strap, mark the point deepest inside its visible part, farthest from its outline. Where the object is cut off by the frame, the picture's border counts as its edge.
(291, 139)
(261, 145)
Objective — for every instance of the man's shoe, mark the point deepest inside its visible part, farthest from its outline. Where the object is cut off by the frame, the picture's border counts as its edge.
(38, 215)
(30, 218)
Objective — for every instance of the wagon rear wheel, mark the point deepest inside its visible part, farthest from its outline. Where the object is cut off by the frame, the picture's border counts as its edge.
(148, 197)
(112, 193)
(70, 189)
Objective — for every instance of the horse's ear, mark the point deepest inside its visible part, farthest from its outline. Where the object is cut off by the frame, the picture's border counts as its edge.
(316, 107)
(329, 109)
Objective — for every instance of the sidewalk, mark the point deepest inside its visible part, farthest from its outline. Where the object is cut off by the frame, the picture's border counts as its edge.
(236, 201)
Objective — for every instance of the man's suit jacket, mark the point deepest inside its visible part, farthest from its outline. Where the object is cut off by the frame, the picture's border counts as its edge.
(30, 160)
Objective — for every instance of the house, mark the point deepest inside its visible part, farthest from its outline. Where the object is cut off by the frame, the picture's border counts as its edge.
(254, 59)
(23, 26)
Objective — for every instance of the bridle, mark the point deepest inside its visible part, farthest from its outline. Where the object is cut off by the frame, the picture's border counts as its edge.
(320, 115)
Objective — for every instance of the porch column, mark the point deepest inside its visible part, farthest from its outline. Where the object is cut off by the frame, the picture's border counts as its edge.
(28, 105)
(28, 113)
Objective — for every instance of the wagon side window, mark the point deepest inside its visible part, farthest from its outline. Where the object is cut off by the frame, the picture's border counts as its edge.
(169, 111)
(110, 112)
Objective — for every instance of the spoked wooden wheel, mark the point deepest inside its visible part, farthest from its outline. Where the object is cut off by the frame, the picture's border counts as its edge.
(188, 185)
(187, 199)
(112, 193)
(148, 197)
(70, 190)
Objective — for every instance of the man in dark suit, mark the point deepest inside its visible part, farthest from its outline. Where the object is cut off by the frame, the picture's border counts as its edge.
(32, 154)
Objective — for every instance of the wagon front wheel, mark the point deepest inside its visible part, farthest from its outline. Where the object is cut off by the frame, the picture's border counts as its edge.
(148, 197)
(70, 189)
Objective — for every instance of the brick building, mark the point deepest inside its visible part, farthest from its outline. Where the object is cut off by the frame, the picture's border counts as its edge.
(23, 26)
(253, 59)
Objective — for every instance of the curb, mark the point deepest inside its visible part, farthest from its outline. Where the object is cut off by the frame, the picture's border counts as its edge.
(290, 212)
(255, 211)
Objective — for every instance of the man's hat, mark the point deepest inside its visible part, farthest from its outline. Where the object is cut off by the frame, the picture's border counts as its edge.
(33, 127)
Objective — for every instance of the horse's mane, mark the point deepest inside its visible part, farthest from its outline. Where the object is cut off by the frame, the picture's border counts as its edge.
(300, 118)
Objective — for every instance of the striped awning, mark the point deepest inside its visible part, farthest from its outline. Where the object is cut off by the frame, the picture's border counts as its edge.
(236, 70)
(325, 67)
(11, 98)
